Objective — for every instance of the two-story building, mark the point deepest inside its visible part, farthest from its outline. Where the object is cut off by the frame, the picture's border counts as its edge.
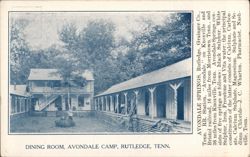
(49, 93)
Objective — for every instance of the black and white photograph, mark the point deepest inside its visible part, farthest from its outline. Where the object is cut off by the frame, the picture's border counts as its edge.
(100, 72)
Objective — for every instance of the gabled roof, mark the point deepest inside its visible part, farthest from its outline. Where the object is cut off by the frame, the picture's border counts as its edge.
(174, 71)
(18, 90)
(52, 74)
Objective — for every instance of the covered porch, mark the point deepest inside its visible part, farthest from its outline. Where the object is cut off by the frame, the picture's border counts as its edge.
(160, 96)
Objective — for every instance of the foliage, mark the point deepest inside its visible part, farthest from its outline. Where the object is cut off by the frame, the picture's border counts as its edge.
(19, 52)
(91, 48)
(165, 44)
(94, 47)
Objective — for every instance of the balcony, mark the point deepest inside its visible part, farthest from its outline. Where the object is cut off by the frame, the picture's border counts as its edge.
(60, 90)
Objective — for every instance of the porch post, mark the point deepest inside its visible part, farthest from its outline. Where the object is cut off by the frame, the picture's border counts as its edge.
(175, 87)
(15, 106)
(152, 108)
(25, 104)
(21, 103)
(136, 99)
(103, 104)
(111, 103)
(117, 103)
(63, 103)
(96, 104)
(77, 102)
(99, 103)
(106, 98)
(126, 103)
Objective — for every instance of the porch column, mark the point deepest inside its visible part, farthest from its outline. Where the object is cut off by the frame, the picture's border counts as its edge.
(102, 103)
(126, 103)
(107, 105)
(25, 104)
(63, 103)
(97, 99)
(105, 102)
(15, 105)
(77, 102)
(136, 99)
(18, 104)
(175, 88)
(152, 104)
(117, 103)
(111, 103)
(29, 105)
(96, 104)
(99, 104)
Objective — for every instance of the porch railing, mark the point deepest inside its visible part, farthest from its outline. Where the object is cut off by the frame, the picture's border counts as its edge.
(59, 90)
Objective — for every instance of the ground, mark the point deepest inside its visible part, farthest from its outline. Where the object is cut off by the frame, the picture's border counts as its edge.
(47, 125)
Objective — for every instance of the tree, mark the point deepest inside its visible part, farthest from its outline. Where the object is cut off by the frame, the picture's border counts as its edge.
(112, 61)
(19, 52)
(91, 48)
(45, 58)
(165, 44)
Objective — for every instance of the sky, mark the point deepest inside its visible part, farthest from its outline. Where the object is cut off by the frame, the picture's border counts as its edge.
(43, 27)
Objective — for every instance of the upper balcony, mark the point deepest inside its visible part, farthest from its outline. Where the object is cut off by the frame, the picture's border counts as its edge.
(61, 90)
(41, 81)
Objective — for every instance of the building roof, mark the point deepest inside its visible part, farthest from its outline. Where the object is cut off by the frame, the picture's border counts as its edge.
(18, 90)
(52, 74)
(174, 71)
(44, 74)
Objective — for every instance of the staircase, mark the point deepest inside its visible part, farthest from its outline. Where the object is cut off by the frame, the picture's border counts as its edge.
(47, 101)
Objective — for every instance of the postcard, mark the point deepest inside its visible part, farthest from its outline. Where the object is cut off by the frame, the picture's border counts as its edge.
(124, 78)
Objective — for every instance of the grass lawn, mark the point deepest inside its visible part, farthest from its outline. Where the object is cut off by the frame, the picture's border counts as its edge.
(47, 125)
